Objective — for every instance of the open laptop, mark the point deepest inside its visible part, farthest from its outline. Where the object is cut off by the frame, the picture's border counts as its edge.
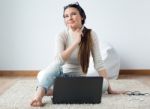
(77, 90)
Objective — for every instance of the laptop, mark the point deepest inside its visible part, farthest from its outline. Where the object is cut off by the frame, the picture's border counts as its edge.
(77, 90)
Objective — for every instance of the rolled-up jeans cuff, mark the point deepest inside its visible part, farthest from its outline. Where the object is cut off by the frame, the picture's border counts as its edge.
(41, 86)
(45, 89)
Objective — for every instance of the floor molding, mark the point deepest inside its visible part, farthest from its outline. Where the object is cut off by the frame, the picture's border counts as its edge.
(33, 73)
(18, 73)
(134, 72)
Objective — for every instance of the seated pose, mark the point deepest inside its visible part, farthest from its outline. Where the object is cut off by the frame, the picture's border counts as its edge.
(74, 47)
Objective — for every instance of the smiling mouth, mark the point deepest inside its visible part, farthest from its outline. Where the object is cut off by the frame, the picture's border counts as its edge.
(71, 23)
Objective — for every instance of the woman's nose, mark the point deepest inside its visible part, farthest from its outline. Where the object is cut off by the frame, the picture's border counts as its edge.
(70, 17)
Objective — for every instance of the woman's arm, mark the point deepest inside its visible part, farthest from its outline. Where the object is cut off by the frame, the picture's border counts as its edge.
(98, 63)
(77, 39)
(66, 53)
(104, 73)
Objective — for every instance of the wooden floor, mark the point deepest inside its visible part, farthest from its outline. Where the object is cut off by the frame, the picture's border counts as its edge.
(7, 82)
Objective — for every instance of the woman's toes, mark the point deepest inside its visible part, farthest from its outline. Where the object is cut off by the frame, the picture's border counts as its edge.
(36, 103)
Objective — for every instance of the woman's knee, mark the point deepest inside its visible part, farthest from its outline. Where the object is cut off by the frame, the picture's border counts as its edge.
(49, 72)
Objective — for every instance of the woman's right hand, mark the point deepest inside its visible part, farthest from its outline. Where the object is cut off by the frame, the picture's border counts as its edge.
(77, 34)
(76, 40)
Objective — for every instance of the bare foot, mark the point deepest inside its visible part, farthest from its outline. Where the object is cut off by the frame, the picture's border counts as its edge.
(36, 103)
(37, 100)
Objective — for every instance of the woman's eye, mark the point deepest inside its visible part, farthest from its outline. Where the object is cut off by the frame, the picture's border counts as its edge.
(73, 13)
(65, 16)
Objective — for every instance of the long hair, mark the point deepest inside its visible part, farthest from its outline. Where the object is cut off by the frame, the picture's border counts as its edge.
(85, 49)
(86, 40)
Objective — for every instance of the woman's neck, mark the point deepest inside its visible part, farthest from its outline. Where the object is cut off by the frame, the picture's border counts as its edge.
(75, 28)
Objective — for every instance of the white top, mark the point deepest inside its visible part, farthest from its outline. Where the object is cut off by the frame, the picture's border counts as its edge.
(72, 65)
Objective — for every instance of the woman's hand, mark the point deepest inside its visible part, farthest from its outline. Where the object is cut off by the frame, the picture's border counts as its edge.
(76, 34)
(110, 91)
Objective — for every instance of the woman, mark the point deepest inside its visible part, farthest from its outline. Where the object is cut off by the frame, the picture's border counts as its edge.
(73, 52)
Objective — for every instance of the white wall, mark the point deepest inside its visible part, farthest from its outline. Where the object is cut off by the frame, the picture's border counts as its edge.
(28, 29)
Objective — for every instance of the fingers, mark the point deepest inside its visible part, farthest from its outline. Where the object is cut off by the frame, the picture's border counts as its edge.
(80, 31)
(77, 29)
(122, 92)
(117, 92)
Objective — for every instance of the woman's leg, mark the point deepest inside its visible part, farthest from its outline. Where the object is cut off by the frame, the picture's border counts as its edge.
(47, 76)
(46, 79)
(105, 85)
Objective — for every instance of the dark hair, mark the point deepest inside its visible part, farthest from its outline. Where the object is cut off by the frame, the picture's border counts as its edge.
(86, 43)
(79, 8)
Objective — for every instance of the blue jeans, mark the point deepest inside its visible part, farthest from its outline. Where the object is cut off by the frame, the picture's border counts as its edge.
(47, 76)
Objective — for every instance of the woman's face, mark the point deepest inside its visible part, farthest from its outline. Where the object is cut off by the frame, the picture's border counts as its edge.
(72, 18)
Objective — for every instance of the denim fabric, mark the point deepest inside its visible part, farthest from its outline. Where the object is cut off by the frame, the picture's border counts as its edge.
(47, 76)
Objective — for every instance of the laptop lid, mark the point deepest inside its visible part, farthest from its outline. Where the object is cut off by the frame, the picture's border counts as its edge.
(77, 90)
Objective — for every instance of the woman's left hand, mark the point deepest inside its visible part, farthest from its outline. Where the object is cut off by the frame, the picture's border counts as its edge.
(110, 91)
(104, 73)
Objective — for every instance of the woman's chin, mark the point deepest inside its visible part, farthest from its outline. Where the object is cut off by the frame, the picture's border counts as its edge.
(73, 26)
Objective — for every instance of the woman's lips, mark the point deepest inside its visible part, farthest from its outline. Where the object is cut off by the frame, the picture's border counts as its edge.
(71, 22)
